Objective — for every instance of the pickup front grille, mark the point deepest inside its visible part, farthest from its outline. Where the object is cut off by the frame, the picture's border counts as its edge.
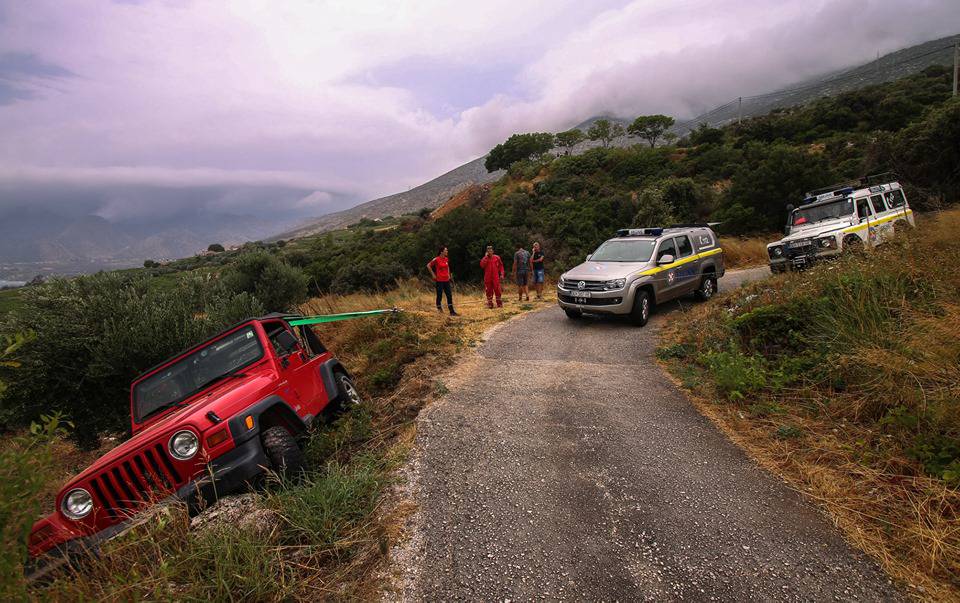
(143, 478)
(574, 285)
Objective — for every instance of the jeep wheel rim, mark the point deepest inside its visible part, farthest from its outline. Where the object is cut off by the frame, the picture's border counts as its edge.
(645, 308)
(352, 395)
(708, 288)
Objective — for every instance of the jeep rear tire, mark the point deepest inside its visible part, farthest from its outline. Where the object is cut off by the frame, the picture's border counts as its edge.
(285, 456)
(641, 308)
(573, 314)
(708, 286)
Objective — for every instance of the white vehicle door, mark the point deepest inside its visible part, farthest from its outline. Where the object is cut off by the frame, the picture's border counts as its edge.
(898, 203)
(882, 212)
(867, 231)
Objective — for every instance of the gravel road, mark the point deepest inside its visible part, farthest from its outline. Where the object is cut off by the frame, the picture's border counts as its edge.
(563, 464)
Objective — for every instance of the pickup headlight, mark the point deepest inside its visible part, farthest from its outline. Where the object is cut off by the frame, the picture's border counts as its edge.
(615, 284)
(77, 504)
(776, 252)
(827, 243)
(184, 445)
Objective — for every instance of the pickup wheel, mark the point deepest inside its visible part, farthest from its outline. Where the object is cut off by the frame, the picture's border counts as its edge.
(853, 244)
(641, 308)
(708, 286)
(573, 314)
(284, 454)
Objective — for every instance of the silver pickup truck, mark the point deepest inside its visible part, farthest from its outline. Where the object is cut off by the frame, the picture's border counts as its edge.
(642, 267)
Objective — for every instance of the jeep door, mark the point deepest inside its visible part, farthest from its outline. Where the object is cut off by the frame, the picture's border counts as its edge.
(881, 211)
(299, 383)
(867, 218)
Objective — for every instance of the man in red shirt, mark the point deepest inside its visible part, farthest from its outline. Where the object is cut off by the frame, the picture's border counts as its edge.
(492, 273)
(439, 268)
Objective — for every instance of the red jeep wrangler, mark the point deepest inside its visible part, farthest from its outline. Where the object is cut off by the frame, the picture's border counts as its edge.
(206, 423)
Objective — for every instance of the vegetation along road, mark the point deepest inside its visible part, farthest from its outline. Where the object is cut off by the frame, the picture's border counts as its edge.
(563, 464)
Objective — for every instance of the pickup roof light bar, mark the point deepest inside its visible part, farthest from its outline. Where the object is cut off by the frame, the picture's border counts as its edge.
(640, 232)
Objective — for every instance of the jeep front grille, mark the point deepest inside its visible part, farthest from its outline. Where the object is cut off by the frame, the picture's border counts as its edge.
(145, 478)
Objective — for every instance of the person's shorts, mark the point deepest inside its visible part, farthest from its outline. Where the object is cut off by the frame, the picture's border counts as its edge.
(522, 278)
(538, 276)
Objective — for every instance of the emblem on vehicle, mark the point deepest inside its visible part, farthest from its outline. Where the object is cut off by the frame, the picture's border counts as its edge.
(581, 285)
(670, 277)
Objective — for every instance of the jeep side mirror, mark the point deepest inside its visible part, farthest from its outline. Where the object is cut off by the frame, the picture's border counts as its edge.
(589, 255)
(665, 259)
(286, 342)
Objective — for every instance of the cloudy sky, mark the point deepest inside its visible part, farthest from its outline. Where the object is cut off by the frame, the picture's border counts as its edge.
(135, 109)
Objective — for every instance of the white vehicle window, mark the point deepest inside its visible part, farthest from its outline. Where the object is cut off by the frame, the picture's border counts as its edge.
(684, 246)
(825, 211)
(895, 198)
(863, 208)
(624, 251)
(878, 204)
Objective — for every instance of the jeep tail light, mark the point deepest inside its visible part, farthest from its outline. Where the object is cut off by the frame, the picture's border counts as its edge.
(217, 438)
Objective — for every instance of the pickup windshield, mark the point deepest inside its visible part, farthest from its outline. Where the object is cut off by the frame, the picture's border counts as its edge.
(819, 213)
(624, 251)
(195, 372)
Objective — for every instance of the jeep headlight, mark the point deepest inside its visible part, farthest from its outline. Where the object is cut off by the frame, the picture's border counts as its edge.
(827, 242)
(776, 252)
(77, 504)
(184, 445)
(615, 284)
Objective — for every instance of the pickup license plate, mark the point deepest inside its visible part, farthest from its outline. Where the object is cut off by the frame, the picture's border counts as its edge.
(581, 294)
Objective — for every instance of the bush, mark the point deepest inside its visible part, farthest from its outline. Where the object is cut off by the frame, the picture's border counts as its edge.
(276, 284)
(26, 464)
(95, 334)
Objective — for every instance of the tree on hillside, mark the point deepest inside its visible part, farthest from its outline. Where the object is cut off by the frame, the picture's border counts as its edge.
(569, 138)
(927, 153)
(517, 147)
(650, 127)
(275, 283)
(600, 130)
(215, 248)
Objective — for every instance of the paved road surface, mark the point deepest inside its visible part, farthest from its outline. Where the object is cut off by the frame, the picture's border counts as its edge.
(562, 464)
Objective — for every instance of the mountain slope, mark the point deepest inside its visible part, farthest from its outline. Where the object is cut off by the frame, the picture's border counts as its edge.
(429, 195)
(435, 192)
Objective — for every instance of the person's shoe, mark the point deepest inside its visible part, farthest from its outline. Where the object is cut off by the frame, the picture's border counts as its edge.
(453, 312)
(439, 309)
(499, 304)
(490, 305)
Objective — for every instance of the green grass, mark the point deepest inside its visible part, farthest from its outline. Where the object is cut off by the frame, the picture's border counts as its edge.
(9, 300)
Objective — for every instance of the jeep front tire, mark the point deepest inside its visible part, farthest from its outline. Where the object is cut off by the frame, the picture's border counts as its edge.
(285, 456)
(641, 308)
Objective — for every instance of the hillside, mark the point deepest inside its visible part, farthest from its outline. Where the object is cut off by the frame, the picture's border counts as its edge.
(428, 195)
(432, 194)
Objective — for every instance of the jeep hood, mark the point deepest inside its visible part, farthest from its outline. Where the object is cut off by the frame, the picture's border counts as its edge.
(604, 271)
(228, 397)
(814, 230)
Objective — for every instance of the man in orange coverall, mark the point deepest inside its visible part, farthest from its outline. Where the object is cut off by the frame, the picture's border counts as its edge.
(492, 273)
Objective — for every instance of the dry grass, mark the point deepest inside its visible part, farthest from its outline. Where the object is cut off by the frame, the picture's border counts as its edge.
(851, 431)
(746, 252)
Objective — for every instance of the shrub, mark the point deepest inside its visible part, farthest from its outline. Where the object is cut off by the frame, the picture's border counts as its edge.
(95, 334)
(276, 284)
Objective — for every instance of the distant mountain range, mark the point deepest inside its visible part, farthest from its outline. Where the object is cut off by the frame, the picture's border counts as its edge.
(437, 191)
(36, 240)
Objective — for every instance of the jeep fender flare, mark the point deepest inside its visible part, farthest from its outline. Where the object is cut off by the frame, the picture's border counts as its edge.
(273, 406)
(327, 370)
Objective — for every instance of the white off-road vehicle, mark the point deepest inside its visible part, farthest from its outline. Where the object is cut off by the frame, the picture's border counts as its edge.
(840, 217)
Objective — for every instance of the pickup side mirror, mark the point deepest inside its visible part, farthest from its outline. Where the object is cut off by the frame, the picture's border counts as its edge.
(589, 255)
(665, 259)
(286, 342)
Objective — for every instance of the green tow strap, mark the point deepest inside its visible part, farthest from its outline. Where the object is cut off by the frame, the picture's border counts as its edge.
(313, 320)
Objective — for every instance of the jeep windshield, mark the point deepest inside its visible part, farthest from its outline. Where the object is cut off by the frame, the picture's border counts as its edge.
(640, 250)
(193, 373)
(826, 211)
